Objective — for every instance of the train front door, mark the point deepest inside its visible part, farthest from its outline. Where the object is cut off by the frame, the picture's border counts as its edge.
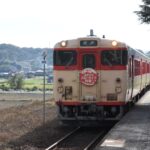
(88, 76)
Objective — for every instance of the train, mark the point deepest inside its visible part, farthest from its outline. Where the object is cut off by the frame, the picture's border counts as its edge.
(97, 79)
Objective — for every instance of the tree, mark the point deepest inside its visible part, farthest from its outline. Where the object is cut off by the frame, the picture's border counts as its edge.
(16, 81)
(144, 13)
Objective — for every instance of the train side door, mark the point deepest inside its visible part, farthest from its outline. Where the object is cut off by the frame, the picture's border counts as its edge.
(88, 76)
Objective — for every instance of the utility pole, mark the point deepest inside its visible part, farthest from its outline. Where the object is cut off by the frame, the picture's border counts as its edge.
(44, 62)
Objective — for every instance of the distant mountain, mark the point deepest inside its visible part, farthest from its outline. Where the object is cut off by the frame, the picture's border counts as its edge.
(13, 58)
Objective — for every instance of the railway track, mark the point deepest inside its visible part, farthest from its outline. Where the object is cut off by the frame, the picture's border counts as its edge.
(79, 139)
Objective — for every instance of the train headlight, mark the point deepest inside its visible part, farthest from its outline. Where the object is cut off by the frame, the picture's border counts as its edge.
(63, 43)
(114, 43)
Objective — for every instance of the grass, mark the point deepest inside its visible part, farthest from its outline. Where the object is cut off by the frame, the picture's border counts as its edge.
(4, 83)
(36, 82)
(17, 121)
(30, 83)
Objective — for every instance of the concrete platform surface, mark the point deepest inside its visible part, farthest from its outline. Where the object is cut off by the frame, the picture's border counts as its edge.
(133, 131)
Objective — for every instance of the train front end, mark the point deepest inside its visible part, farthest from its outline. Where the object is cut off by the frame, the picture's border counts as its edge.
(90, 79)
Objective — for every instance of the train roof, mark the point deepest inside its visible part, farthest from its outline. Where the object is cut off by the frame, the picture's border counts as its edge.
(138, 54)
(100, 42)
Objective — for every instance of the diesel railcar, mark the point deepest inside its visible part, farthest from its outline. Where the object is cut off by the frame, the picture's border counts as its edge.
(96, 79)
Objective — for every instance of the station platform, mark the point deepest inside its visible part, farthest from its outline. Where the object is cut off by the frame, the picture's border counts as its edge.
(133, 131)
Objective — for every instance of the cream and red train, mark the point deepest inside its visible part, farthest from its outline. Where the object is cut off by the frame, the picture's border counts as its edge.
(95, 79)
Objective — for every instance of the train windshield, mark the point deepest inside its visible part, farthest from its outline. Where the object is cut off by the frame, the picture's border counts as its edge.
(114, 57)
(65, 58)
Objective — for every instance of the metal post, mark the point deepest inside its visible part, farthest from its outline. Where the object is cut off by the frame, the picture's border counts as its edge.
(44, 62)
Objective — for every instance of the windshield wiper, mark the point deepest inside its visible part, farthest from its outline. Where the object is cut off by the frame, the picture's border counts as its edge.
(108, 62)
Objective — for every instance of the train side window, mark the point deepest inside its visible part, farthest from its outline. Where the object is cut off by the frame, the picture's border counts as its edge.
(136, 67)
(130, 66)
(89, 61)
(65, 58)
(147, 67)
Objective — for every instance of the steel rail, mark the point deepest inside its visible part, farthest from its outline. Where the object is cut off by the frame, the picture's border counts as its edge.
(59, 141)
(93, 142)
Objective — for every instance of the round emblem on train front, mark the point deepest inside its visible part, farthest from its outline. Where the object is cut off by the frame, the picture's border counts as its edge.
(88, 76)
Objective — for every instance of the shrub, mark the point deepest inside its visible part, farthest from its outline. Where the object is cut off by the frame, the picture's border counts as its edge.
(16, 81)
(4, 87)
(34, 88)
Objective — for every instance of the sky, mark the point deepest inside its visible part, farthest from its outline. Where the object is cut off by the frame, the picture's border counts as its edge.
(42, 23)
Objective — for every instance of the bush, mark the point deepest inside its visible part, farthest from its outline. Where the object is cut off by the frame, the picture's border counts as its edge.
(34, 88)
(16, 82)
(4, 88)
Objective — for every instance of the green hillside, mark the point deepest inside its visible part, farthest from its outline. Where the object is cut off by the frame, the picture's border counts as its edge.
(13, 58)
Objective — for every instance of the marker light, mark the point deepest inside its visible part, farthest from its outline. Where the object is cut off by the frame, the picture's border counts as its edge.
(60, 80)
(63, 43)
(114, 43)
(118, 80)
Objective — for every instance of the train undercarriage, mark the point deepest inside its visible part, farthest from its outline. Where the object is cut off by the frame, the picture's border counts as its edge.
(88, 114)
